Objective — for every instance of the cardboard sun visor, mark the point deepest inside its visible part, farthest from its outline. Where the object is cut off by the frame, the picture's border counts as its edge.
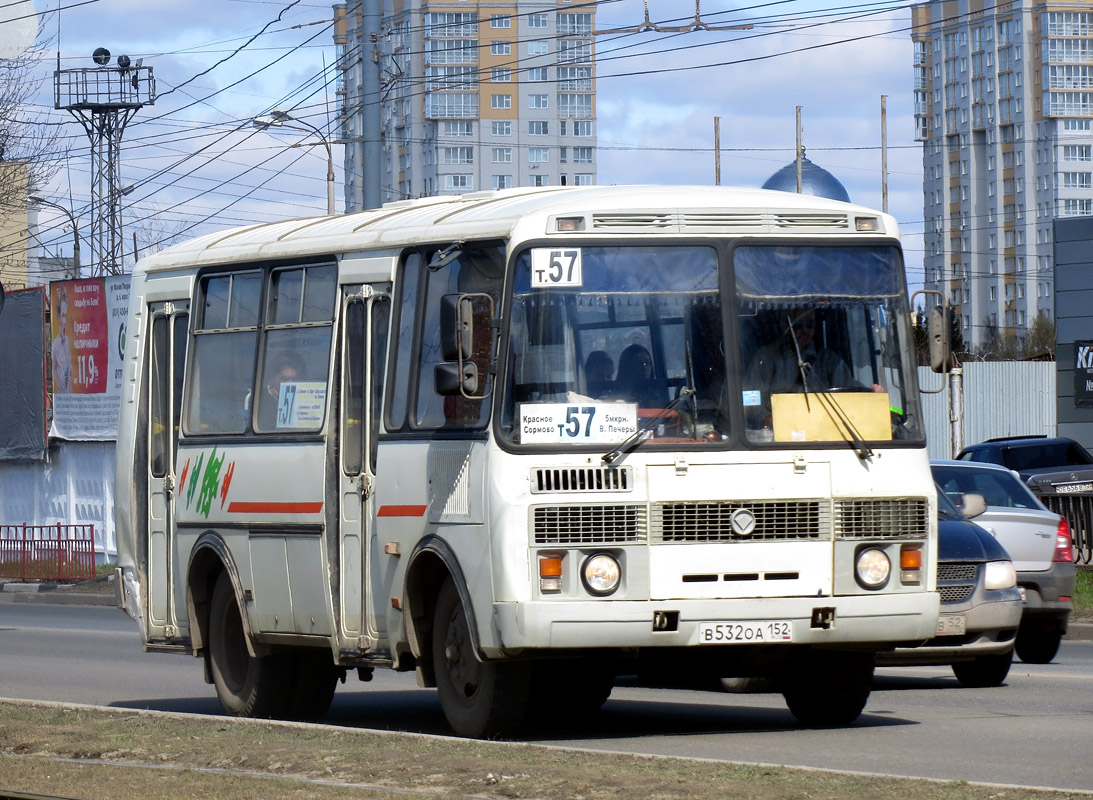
(818, 419)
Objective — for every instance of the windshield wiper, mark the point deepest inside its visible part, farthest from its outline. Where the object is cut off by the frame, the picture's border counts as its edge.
(628, 444)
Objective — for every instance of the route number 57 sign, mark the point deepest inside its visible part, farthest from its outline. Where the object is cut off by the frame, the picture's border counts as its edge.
(560, 267)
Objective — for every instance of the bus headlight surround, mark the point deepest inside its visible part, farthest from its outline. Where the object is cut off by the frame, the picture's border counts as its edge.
(872, 567)
(601, 574)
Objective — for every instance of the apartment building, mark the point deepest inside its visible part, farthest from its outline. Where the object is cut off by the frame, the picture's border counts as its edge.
(1003, 106)
(474, 95)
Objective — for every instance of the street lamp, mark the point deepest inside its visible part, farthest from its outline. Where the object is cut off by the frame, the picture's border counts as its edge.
(41, 201)
(279, 118)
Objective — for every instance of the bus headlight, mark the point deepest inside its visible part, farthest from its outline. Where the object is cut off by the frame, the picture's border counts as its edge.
(601, 574)
(872, 568)
(999, 575)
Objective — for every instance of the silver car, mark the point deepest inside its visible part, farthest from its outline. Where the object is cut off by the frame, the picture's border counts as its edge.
(1037, 540)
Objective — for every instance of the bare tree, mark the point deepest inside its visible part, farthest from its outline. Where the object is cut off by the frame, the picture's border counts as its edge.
(1040, 340)
(28, 154)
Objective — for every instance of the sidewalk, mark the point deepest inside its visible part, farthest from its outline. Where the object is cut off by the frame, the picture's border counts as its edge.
(54, 594)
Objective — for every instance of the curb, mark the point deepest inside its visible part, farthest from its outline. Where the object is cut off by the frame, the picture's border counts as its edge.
(51, 594)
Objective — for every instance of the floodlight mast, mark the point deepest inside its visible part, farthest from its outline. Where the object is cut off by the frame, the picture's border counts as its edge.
(104, 98)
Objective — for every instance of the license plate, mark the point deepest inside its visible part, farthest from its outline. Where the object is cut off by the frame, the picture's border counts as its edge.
(745, 632)
(950, 625)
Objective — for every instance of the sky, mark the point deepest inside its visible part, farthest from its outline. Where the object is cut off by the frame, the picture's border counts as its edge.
(197, 164)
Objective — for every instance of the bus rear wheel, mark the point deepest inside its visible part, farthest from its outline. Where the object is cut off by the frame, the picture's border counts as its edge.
(246, 686)
(827, 688)
(480, 699)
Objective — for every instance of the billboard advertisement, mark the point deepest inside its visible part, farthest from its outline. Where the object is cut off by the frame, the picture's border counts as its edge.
(87, 329)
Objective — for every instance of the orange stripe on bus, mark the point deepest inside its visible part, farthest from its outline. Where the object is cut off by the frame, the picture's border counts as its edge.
(236, 507)
(401, 511)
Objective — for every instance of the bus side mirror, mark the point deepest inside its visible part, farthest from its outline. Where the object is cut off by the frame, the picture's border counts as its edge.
(937, 335)
(456, 327)
(449, 380)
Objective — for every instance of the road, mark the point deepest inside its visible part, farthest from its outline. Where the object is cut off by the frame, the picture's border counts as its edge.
(919, 722)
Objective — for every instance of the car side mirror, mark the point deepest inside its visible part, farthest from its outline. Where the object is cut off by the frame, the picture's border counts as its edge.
(973, 504)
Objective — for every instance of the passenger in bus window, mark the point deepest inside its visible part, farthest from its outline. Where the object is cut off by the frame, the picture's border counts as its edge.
(634, 382)
(599, 370)
(285, 371)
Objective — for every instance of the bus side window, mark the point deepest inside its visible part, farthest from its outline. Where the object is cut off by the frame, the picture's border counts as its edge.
(398, 393)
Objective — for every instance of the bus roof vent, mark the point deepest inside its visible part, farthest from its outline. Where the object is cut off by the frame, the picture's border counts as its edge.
(723, 220)
(804, 221)
(581, 479)
(658, 220)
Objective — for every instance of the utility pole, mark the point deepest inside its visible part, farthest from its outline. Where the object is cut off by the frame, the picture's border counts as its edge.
(884, 153)
(717, 151)
(104, 98)
(800, 151)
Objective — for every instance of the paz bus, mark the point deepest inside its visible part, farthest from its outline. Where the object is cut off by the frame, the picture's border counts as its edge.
(524, 442)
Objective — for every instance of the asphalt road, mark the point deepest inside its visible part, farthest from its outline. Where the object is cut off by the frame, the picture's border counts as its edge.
(1034, 731)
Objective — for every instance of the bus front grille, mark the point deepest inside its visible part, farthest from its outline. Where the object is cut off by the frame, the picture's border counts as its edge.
(588, 524)
(886, 518)
(741, 520)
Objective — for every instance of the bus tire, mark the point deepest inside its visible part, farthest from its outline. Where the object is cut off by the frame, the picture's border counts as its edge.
(246, 686)
(568, 686)
(313, 685)
(828, 688)
(480, 699)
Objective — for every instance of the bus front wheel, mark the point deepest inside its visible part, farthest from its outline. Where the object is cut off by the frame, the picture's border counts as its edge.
(480, 699)
(828, 688)
(246, 686)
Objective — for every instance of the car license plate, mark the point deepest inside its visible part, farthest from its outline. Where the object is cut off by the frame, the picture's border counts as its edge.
(950, 625)
(745, 632)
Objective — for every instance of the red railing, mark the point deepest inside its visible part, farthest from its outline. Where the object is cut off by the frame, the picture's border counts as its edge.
(47, 552)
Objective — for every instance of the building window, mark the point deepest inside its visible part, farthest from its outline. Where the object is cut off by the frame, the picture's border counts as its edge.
(538, 101)
(540, 180)
(458, 183)
(501, 127)
(502, 181)
(582, 179)
(537, 20)
(1077, 180)
(537, 127)
(538, 155)
(500, 21)
(582, 127)
(501, 101)
(582, 155)
(458, 127)
(538, 48)
(575, 105)
(502, 155)
(575, 79)
(500, 48)
(500, 75)
(458, 155)
(537, 75)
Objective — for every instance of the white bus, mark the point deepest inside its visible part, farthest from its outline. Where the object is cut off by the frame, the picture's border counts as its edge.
(524, 442)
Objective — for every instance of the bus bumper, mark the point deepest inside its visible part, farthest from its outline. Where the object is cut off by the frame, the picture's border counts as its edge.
(883, 620)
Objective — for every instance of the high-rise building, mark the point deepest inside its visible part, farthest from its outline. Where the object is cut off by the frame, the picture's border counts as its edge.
(1003, 106)
(475, 94)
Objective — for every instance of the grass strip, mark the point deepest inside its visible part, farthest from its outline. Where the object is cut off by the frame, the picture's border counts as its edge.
(104, 753)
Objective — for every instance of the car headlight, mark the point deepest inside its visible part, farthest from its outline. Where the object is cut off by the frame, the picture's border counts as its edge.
(601, 575)
(999, 575)
(873, 568)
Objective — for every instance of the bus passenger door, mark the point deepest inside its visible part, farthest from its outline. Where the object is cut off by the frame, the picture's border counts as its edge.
(166, 361)
(364, 329)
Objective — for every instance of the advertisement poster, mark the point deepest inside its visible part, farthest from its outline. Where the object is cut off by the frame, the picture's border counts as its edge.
(1083, 374)
(87, 327)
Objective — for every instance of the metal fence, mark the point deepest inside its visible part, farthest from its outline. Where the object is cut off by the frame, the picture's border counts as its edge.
(47, 552)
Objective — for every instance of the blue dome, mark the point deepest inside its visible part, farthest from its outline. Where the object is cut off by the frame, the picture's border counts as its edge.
(815, 180)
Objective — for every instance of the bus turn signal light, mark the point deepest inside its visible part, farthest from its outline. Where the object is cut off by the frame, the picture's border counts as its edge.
(550, 573)
(910, 564)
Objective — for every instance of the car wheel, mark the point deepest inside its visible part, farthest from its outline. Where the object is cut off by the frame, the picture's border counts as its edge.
(984, 671)
(480, 699)
(754, 685)
(1036, 645)
(827, 688)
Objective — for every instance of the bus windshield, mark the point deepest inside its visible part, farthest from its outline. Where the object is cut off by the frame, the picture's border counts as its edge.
(803, 344)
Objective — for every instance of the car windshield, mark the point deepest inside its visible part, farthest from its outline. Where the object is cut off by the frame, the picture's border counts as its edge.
(999, 488)
(611, 342)
(945, 507)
